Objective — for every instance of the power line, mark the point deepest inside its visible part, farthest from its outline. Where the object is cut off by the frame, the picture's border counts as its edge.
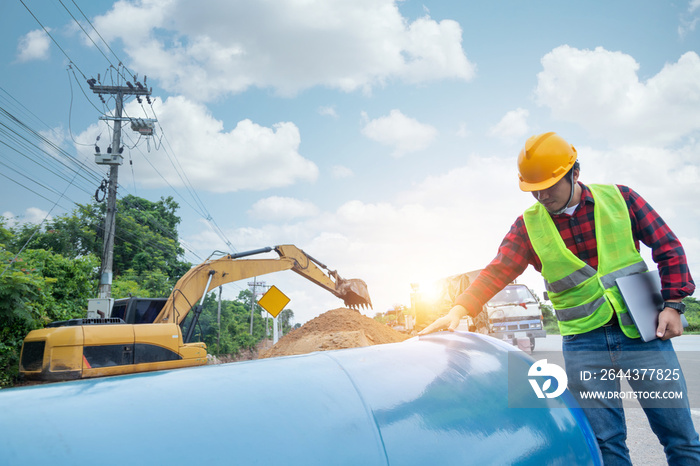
(51, 190)
(83, 29)
(167, 148)
(21, 141)
(173, 159)
(81, 90)
(207, 216)
(120, 64)
(98, 34)
(201, 208)
(39, 150)
(11, 133)
(27, 188)
(52, 38)
(37, 229)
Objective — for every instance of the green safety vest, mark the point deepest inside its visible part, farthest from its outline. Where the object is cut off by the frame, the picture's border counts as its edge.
(584, 298)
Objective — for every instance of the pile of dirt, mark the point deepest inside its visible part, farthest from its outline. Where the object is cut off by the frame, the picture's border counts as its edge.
(336, 329)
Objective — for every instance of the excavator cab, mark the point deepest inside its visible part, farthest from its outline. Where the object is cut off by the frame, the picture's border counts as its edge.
(138, 310)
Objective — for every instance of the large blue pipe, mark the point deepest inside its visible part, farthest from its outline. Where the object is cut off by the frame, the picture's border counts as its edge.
(441, 399)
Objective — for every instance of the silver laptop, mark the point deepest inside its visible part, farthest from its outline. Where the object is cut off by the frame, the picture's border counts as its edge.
(642, 295)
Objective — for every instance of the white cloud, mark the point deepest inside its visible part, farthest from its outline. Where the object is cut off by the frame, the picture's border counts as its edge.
(328, 111)
(34, 45)
(54, 139)
(36, 215)
(33, 215)
(248, 157)
(275, 209)
(399, 131)
(601, 91)
(512, 126)
(689, 20)
(651, 171)
(208, 49)
(340, 171)
(10, 219)
(435, 50)
(462, 130)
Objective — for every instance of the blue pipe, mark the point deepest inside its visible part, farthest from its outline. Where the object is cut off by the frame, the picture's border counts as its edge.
(446, 398)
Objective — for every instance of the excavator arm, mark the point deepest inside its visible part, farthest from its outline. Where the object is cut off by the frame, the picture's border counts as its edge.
(208, 275)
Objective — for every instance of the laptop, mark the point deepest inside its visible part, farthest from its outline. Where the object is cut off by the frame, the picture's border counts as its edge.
(642, 295)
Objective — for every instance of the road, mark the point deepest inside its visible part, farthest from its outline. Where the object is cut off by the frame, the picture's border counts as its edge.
(644, 447)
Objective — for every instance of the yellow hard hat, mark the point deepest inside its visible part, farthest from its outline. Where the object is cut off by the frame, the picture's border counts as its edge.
(544, 160)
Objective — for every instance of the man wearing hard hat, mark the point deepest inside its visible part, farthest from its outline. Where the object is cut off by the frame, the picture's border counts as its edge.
(581, 238)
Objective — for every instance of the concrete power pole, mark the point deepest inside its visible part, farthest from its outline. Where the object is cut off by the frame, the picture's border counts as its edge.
(254, 284)
(113, 158)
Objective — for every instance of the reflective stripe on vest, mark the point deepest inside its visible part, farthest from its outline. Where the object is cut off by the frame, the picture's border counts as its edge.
(607, 281)
(585, 299)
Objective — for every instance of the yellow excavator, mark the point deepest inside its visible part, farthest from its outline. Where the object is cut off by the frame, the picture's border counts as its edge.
(141, 334)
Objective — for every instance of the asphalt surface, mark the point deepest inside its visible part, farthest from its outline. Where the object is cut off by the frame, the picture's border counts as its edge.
(644, 447)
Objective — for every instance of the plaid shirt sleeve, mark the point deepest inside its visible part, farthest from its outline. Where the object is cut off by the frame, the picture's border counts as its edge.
(578, 232)
(514, 255)
(667, 251)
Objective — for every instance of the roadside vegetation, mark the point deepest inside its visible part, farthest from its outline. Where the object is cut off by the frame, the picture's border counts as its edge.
(49, 271)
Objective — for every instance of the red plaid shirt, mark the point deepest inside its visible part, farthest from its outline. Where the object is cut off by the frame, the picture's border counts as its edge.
(578, 232)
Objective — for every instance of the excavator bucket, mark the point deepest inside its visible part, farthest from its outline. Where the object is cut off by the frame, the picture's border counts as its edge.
(354, 293)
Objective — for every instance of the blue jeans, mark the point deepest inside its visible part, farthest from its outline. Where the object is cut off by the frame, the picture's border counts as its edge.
(596, 360)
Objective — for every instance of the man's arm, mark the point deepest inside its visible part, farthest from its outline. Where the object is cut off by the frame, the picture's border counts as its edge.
(667, 251)
(512, 259)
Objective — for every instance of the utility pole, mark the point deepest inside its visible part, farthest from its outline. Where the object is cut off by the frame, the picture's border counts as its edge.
(113, 158)
(255, 284)
(218, 321)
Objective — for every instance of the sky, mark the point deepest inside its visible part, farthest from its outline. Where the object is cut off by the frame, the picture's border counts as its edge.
(379, 136)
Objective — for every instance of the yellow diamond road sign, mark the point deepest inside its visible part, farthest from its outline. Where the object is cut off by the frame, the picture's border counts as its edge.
(273, 301)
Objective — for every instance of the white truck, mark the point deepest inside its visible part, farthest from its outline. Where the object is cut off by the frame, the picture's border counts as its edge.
(514, 313)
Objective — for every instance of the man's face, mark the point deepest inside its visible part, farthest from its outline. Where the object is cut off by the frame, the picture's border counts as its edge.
(556, 197)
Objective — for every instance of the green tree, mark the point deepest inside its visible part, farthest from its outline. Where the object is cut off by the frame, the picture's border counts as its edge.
(285, 319)
(57, 266)
(233, 333)
(71, 235)
(5, 234)
(550, 320)
(146, 244)
(146, 237)
(692, 314)
(35, 289)
(146, 284)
